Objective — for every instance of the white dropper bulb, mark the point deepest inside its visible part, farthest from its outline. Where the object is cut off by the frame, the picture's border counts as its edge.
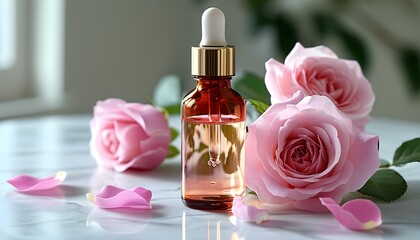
(213, 28)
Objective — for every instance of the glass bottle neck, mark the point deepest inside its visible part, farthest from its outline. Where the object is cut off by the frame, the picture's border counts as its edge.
(213, 82)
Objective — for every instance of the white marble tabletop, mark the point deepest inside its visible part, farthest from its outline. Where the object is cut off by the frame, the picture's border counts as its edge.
(44, 145)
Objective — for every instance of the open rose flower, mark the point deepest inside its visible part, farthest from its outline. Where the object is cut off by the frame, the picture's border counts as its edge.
(304, 149)
(318, 71)
(128, 135)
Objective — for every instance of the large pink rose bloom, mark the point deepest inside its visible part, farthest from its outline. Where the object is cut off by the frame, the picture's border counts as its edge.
(318, 71)
(128, 135)
(304, 149)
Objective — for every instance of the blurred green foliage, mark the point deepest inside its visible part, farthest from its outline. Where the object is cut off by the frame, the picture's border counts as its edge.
(251, 86)
(287, 32)
(327, 23)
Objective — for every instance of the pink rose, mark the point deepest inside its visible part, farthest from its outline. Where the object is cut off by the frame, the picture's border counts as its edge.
(128, 135)
(304, 149)
(318, 71)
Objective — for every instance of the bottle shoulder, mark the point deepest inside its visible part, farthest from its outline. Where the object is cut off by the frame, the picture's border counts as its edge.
(203, 97)
(222, 101)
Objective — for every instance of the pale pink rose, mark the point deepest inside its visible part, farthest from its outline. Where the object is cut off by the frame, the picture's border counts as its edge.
(318, 71)
(304, 149)
(128, 135)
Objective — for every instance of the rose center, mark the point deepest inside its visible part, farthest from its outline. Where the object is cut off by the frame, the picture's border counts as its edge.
(300, 155)
(320, 79)
(110, 140)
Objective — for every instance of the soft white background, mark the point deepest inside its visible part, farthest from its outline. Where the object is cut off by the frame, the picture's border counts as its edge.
(81, 51)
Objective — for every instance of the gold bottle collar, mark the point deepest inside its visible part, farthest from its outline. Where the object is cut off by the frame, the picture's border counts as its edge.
(213, 61)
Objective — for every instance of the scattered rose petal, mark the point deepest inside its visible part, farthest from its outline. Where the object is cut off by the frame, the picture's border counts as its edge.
(358, 214)
(248, 212)
(113, 197)
(25, 183)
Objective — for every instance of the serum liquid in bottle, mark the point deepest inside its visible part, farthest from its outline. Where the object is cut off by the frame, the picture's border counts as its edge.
(213, 123)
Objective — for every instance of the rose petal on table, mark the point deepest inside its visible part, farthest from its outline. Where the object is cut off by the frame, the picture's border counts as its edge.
(25, 183)
(357, 214)
(248, 212)
(114, 197)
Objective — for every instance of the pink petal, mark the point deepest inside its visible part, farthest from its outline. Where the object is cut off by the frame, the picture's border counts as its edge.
(278, 80)
(24, 183)
(150, 118)
(358, 214)
(300, 52)
(109, 110)
(113, 197)
(248, 212)
(148, 161)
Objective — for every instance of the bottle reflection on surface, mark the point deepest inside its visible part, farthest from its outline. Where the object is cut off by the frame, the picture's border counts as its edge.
(210, 227)
(119, 221)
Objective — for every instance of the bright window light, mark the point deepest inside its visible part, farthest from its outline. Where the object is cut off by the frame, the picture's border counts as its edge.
(7, 33)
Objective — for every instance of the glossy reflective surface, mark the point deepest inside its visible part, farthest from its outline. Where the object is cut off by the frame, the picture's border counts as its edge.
(42, 146)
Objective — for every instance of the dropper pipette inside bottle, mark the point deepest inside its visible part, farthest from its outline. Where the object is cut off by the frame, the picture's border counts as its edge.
(213, 35)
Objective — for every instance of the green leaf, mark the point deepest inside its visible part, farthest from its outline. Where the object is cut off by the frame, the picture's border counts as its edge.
(168, 92)
(259, 106)
(163, 110)
(385, 184)
(230, 133)
(172, 109)
(230, 162)
(410, 63)
(174, 133)
(173, 151)
(408, 152)
(251, 86)
(202, 167)
(252, 193)
(384, 163)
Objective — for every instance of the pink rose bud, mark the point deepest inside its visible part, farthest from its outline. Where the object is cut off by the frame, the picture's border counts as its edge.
(128, 135)
(318, 71)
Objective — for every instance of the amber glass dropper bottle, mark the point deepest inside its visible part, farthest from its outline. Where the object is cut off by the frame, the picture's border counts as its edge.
(213, 123)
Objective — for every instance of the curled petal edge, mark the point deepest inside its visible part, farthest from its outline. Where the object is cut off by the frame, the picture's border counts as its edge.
(246, 212)
(25, 183)
(114, 197)
(357, 214)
